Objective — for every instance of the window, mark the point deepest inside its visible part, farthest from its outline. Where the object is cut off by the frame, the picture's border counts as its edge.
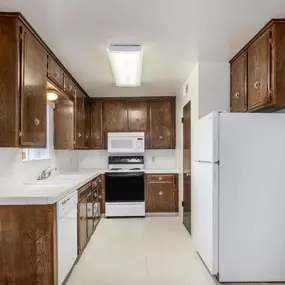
(42, 153)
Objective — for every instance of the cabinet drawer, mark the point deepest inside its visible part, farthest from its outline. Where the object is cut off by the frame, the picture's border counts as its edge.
(55, 73)
(69, 86)
(84, 190)
(161, 178)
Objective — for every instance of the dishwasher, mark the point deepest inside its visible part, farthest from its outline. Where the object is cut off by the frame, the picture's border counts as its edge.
(66, 235)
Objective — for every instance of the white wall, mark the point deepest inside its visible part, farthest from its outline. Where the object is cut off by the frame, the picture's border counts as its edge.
(208, 91)
(13, 169)
(154, 159)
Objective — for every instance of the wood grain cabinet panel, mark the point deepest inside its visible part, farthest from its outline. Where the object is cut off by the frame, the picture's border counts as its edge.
(87, 122)
(69, 86)
(239, 84)
(259, 58)
(9, 83)
(55, 72)
(63, 124)
(82, 223)
(161, 193)
(115, 116)
(137, 116)
(79, 132)
(96, 128)
(27, 245)
(34, 85)
(161, 130)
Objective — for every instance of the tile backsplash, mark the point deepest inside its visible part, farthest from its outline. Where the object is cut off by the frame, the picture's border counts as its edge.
(13, 169)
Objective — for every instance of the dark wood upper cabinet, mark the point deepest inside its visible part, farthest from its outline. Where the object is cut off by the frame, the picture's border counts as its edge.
(9, 82)
(55, 72)
(239, 84)
(115, 116)
(137, 116)
(33, 90)
(162, 118)
(87, 122)
(96, 129)
(259, 58)
(63, 124)
(79, 130)
(265, 71)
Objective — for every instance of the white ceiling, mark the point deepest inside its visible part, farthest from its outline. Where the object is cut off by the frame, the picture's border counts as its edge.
(174, 34)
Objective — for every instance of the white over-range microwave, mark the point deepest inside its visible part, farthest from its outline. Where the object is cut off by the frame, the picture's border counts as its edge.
(126, 142)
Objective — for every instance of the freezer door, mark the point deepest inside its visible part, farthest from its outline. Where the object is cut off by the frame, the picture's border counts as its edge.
(251, 198)
(206, 138)
(206, 208)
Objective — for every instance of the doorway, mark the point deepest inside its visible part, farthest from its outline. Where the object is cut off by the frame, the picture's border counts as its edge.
(187, 166)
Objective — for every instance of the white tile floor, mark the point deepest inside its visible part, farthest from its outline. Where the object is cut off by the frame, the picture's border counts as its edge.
(151, 251)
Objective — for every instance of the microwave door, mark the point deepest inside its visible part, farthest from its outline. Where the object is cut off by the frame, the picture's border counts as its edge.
(121, 145)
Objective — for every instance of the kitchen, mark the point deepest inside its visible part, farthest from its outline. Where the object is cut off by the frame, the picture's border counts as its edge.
(73, 165)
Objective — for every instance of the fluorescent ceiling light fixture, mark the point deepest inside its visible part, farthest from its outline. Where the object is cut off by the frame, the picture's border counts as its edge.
(126, 62)
(51, 95)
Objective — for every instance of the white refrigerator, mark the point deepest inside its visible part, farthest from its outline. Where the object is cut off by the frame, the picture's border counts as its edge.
(239, 176)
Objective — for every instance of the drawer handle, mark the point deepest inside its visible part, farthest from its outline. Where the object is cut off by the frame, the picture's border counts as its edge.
(256, 85)
(56, 74)
(70, 87)
(160, 137)
(79, 135)
(160, 193)
(159, 178)
(237, 95)
(36, 121)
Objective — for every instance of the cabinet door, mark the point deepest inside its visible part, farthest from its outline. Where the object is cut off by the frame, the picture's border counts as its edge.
(161, 125)
(63, 124)
(33, 92)
(161, 194)
(86, 115)
(69, 86)
(82, 223)
(259, 62)
(137, 116)
(55, 73)
(89, 214)
(239, 84)
(79, 120)
(115, 116)
(96, 125)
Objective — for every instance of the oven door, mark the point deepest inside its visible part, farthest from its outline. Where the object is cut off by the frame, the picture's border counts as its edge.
(124, 187)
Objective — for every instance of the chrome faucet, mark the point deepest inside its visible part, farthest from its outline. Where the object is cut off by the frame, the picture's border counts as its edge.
(46, 173)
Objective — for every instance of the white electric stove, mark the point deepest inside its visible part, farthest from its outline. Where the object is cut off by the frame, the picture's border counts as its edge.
(125, 187)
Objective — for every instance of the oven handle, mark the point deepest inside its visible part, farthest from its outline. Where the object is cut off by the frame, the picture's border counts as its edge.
(125, 174)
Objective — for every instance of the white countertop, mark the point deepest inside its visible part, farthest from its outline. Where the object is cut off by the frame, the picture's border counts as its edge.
(47, 191)
(55, 188)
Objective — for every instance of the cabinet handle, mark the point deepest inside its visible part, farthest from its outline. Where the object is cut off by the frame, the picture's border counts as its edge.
(160, 137)
(79, 135)
(159, 178)
(237, 95)
(160, 193)
(138, 120)
(56, 74)
(70, 87)
(36, 121)
(100, 197)
(256, 85)
(86, 136)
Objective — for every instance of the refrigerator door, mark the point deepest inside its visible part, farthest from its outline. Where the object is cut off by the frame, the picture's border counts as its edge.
(251, 198)
(206, 208)
(206, 144)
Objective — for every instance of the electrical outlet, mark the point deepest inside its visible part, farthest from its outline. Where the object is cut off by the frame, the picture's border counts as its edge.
(153, 159)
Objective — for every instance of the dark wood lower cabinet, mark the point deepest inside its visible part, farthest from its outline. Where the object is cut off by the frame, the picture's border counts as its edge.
(28, 253)
(161, 193)
(89, 213)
